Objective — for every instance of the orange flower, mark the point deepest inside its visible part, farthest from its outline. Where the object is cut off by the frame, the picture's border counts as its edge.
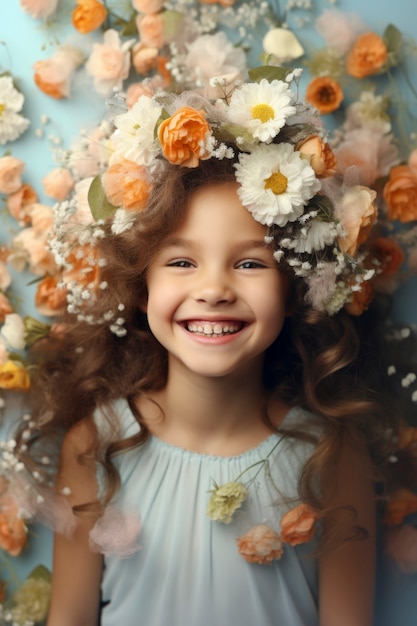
(325, 94)
(400, 194)
(13, 531)
(360, 300)
(49, 298)
(388, 253)
(261, 544)
(298, 525)
(181, 137)
(322, 159)
(125, 185)
(402, 502)
(407, 436)
(88, 16)
(401, 545)
(84, 269)
(367, 57)
(357, 214)
(18, 202)
(5, 307)
(12, 376)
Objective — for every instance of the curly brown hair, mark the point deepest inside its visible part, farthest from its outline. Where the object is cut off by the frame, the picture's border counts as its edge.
(314, 361)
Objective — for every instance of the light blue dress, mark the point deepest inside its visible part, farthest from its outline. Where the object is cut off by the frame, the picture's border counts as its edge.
(188, 571)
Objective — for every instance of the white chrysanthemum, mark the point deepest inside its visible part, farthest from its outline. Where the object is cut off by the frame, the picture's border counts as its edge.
(316, 235)
(12, 124)
(262, 108)
(276, 183)
(134, 137)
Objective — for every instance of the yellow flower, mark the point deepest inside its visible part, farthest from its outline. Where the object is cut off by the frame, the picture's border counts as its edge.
(13, 376)
(32, 601)
(225, 500)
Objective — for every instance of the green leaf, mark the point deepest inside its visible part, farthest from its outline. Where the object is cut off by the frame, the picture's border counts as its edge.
(393, 38)
(100, 207)
(270, 72)
(40, 572)
(173, 22)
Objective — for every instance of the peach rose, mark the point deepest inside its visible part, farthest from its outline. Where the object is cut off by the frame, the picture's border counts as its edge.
(223, 3)
(109, 63)
(5, 276)
(125, 184)
(148, 6)
(88, 16)
(357, 214)
(151, 30)
(321, 156)
(39, 9)
(53, 76)
(11, 169)
(360, 300)
(49, 298)
(58, 183)
(324, 93)
(144, 58)
(367, 57)
(13, 530)
(181, 137)
(261, 544)
(400, 194)
(402, 502)
(13, 376)
(18, 202)
(298, 525)
(135, 91)
(401, 545)
(5, 307)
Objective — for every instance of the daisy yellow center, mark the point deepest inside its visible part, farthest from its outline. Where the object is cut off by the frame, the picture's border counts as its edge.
(2, 109)
(277, 183)
(263, 112)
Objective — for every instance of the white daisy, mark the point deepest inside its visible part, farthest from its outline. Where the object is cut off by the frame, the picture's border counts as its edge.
(12, 124)
(134, 137)
(276, 183)
(262, 108)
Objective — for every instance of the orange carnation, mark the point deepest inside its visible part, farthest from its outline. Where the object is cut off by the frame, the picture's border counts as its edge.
(325, 94)
(403, 502)
(400, 194)
(125, 185)
(261, 544)
(298, 525)
(49, 298)
(367, 57)
(322, 159)
(13, 530)
(88, 16)
(182, 136)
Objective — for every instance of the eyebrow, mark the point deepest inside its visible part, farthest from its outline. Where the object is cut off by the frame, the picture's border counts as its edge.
(251, 244)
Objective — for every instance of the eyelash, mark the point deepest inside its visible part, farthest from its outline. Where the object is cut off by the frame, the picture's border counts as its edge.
(183, 263)
(180, 263)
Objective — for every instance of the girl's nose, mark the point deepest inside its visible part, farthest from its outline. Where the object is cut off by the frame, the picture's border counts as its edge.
(214, 288)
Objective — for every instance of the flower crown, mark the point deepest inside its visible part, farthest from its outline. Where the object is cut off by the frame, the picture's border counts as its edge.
(286, 171)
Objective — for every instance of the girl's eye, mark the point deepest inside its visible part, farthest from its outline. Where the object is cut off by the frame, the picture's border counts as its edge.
(249, 265)
(180, 263)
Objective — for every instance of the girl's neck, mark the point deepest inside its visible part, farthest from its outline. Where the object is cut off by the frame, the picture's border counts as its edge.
(220, 416)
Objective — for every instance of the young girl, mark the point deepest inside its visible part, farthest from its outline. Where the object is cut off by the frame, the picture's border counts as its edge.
(216, 433)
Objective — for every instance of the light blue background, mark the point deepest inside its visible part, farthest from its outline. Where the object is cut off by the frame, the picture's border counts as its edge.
(28, 41)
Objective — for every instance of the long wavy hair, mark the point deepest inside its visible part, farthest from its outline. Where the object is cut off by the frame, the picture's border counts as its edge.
(314, 361)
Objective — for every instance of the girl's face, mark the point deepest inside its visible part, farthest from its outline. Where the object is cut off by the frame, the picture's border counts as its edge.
(216, 297)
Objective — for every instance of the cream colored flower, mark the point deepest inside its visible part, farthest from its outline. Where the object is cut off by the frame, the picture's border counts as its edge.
(109, 63)
(282, 46)
(225, 500)
(12, 124)
(13, 331)
(262, 108)
(276, 183)
(32, 601)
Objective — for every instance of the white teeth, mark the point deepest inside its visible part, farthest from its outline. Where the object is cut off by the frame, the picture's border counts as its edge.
(212, 328)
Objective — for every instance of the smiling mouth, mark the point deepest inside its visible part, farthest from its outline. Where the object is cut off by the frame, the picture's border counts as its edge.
(213, 329)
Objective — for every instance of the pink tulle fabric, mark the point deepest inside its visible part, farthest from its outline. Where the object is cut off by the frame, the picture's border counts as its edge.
(116, 533)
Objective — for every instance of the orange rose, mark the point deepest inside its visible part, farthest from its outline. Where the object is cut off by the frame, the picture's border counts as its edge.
(125, 185)
(49, 298)
(13, 376)
(325, 94)
(181, 137)
(13, 530)
(83, 262)
(261, 544)
(144, 58)
(360, 300)
(88, 16)
(298, 525)
(367, 57)
(400, 194)
(322, 159)
(402, 502)
(388, 253)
